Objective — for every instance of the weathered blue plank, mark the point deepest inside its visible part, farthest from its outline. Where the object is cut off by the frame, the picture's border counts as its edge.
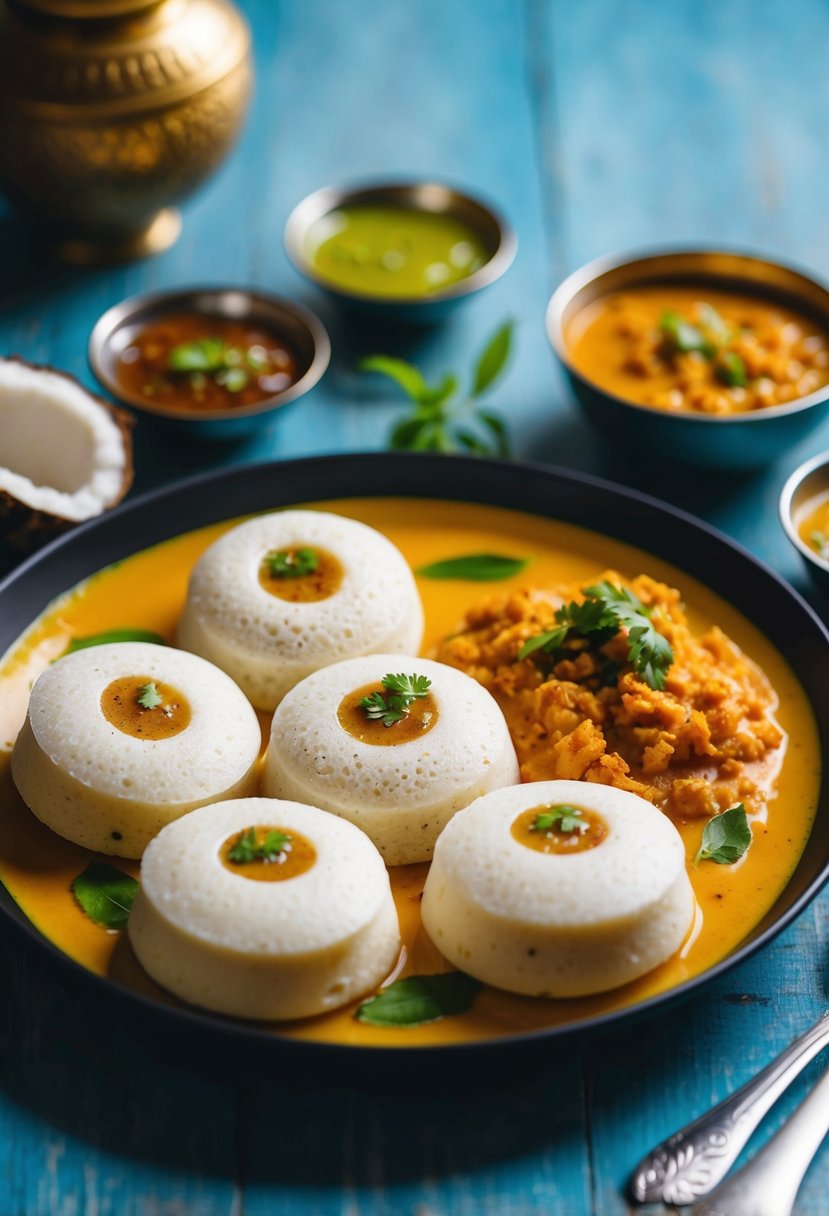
(595, 127)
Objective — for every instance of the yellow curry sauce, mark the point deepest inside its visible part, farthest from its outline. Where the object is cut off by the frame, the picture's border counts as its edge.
(149, 589)
(813, 525)
(695, 349)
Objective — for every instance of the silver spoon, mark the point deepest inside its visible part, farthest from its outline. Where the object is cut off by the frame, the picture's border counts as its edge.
(693, 1161)
(768, 1185)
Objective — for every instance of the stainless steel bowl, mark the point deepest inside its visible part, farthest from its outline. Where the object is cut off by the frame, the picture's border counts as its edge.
(729, 442)
(300, 329)
(495, 232)
(806, 482)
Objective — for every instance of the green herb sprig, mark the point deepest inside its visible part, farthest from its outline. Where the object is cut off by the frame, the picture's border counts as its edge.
(563, 819)
(475, 568)
(708, 338)
(291, 563)
(726, 837)
(114, 635)
(820, 543)
(149, 697)
(393, 705)
(606, 610)
(442, 420)
(272, 848)
(229, 365)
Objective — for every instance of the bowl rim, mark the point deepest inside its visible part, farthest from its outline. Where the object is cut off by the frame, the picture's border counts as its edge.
(784, 507)
(325, 199)
(592, 270)
(180, 298)
(522, 486)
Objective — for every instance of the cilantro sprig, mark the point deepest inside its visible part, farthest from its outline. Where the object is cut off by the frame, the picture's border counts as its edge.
(820, 543)
(442, 420)
(393, 704)
(725, 838)
(230, 366)
(272, 848)
(708, 338)
(563, 819)
(149, 697)
(291, 563)
(605, 610)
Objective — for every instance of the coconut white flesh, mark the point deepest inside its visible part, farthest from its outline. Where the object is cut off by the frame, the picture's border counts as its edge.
(554, 925)
(61, 451)
(286, 949)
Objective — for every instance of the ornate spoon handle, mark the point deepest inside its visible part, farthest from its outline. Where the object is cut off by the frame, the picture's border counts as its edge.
(691, 1162)
(768, 1185)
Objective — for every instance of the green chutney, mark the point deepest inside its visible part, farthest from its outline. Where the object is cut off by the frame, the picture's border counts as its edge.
(396, 252)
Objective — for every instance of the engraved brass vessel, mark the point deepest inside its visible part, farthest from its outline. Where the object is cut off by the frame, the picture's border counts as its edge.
(111, 111)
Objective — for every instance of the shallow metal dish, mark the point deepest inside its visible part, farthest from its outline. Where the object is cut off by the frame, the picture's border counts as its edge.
(493, 229)
(298, 326)
(709, 441)
(806, 481)
(754, 589)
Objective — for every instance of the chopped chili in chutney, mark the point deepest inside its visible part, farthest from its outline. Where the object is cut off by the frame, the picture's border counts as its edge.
(205, 364)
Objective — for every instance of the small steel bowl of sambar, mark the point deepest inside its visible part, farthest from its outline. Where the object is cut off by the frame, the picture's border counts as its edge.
(699, 332)
(214, 362)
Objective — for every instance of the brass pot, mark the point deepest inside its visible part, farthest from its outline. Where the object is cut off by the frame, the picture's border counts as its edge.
(112, 110)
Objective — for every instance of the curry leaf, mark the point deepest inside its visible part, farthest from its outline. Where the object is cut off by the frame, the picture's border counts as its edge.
(114, 635)
(475, 568)
(404, 374)
(420, 998)
(105, 894)
(493, 359)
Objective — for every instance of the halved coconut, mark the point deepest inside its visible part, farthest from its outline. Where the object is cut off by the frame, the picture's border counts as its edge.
(65, 454)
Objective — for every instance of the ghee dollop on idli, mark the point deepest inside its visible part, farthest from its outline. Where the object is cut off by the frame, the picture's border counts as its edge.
(558, 889)
(120, 739)
(284, 594)
(342, 740)
(261, 908)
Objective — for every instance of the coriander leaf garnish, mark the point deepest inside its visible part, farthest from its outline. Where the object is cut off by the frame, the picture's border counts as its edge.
(272, 848)
(393, 705)
(149, 696)
(420, 998)
(203, 355)
(291, 563)
(726, 837)
(105, 894)
(441, 420)
(731, 369)
(114, 635)
(685, 337)
(820, 543)
(563, 819)
(604, 611)
(475, 567)
(718, 330)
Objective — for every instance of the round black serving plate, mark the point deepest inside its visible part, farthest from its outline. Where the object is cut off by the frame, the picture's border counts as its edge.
(573, 498)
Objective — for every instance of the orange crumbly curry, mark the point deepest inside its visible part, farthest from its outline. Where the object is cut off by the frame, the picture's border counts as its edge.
(706, 741)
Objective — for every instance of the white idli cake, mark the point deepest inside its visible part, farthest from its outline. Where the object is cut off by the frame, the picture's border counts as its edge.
(284, 594)
(264, 909)
(121, 739)
(558, 889)
(393, 743)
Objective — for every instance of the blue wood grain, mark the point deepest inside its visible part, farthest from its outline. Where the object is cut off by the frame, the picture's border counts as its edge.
(599, 126)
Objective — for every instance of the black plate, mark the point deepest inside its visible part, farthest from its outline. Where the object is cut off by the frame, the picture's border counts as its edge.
(733, 572)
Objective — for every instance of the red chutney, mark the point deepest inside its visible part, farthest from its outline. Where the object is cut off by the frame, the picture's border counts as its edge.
(205, 364)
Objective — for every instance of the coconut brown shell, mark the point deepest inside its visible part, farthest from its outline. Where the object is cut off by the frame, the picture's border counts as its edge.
(23, 528)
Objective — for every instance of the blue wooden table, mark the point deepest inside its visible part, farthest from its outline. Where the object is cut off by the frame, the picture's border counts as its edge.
(598, 126)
